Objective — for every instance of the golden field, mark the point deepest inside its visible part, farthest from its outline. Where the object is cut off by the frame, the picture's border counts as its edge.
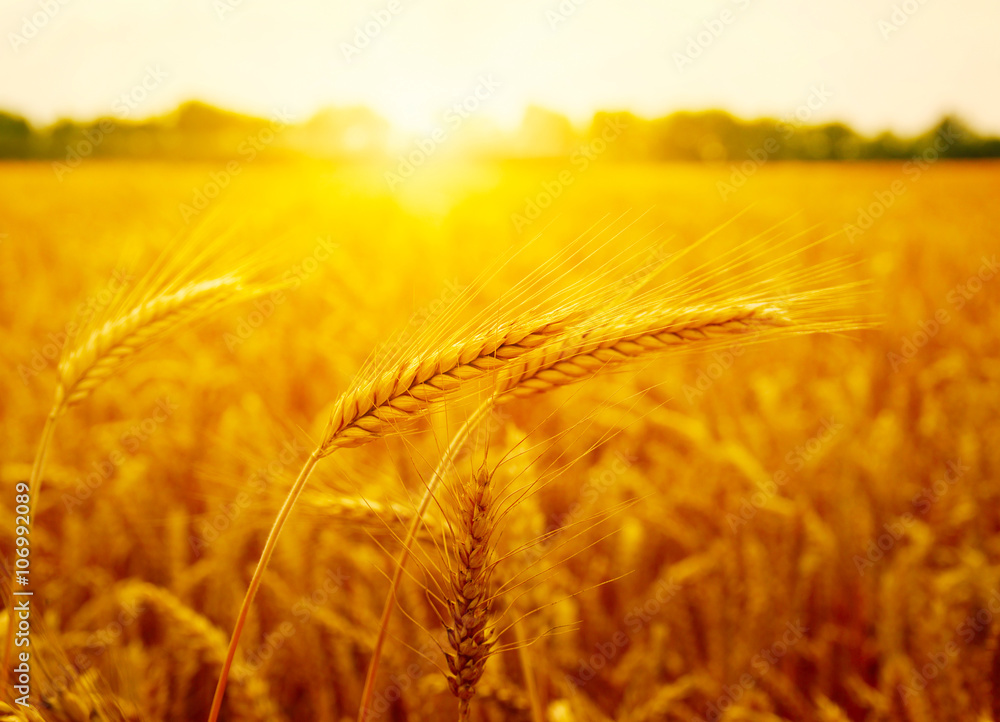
(807, 529)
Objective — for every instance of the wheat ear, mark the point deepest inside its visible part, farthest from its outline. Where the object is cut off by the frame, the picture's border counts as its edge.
(589, 351)
(378, 406)
(200, 638)
(404, 394)
(470, 594)
(88, 365)
(581, 353)
(106, 348)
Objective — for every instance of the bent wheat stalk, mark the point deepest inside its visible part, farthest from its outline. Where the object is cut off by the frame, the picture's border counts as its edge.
(519, 357)
(582, 353)
(104, 350)
(377, 407)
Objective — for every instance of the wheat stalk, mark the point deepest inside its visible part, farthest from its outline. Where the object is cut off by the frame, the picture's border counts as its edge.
(105, 349)
(470, 598)
(376, 407)
(522, 357)
(581, 353)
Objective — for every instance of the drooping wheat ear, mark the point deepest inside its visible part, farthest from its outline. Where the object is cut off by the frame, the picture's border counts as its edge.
(590, 350)
(87, 365)
(580, 352)
(379, 405)
(470, 594)
(95, 360)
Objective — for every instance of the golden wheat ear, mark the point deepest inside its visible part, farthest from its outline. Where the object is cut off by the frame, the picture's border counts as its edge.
(189, 281)
(512, 353)
(105, 349)
(470, 592)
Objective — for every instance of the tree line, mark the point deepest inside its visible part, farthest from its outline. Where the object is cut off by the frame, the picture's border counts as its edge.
(196, 130)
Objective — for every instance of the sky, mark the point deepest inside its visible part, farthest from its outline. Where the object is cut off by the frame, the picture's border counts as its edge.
(877, 64)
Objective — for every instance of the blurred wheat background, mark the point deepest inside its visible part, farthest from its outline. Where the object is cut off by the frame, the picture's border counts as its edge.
(806, 529)
(817, 528)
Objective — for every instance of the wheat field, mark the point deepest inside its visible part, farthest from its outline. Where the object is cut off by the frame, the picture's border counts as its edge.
(797, 525)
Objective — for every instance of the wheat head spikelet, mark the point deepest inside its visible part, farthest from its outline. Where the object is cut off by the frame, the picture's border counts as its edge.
(516, 356)
(585, 353)
(378, 405)
(470, 594)
(94, 361)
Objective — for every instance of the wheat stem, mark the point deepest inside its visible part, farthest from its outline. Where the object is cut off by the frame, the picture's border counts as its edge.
(527, 669)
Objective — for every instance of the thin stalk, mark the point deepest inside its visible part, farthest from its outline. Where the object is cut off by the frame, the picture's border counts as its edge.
(524, 655)
(265, 557)
(404, 555)
(34, 487)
